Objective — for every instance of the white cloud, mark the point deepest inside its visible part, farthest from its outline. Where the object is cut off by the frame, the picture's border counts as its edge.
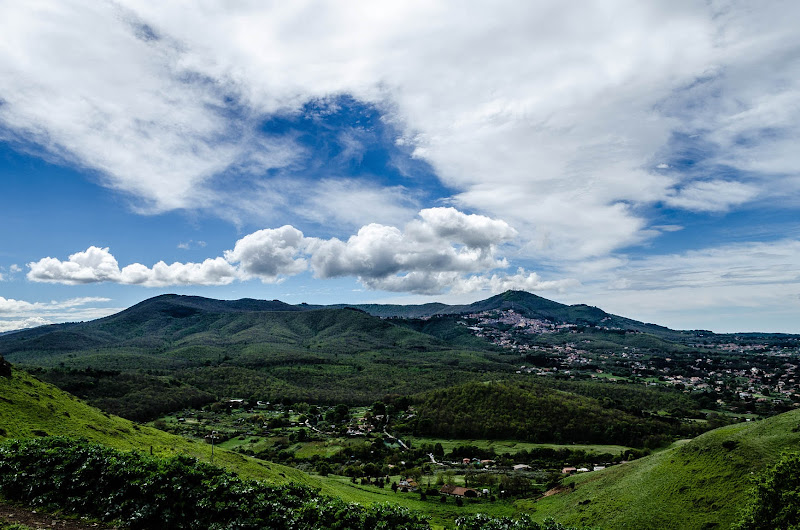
(444, 240)
(14, 268)
(712, 195)
(186, 245)
(544, 115)
(83, 81)
(21, 314)
(90, 266)
(432, 254)
(269, 253)
(96, 265)
(23, 323)
(351, 203)
(214, 271)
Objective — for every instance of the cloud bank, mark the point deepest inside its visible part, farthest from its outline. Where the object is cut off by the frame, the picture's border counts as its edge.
(432, 254)
(20, 314)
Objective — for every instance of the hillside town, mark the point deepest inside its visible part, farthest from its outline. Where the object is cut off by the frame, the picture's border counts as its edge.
(747, 375)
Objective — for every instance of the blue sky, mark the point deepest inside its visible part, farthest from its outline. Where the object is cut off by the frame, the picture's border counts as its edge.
(641, 157)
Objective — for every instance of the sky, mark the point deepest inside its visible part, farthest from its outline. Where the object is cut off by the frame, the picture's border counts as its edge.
(641, 157)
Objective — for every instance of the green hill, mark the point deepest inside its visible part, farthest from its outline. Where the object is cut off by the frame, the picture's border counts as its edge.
(701, 483)
(31, 408)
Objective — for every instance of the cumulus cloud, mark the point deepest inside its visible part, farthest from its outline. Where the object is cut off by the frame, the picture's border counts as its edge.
(430, 283)
(431, 254)
(444, 241)
(95, 265)
(269, 253)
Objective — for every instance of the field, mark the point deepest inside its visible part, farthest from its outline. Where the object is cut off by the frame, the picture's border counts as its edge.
(514, 446)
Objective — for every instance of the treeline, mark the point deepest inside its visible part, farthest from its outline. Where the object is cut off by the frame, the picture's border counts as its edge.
(131, 395)
(634, 399)
(523, 411)
(174, 493)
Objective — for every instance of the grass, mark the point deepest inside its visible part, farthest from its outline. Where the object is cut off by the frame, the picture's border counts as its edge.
(701, 483)
(29, 408)
(442, 515)
(514, 446)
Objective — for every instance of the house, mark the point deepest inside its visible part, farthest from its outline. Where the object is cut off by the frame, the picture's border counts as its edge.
(487, 463)
(466, 461)
(408, 484)
(521, 467)
(569, 470)
(458, 491)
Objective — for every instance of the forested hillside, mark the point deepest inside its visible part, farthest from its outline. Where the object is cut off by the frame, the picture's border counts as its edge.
(534, 413)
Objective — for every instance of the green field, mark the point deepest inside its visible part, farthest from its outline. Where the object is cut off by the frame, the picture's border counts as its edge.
(513, 446)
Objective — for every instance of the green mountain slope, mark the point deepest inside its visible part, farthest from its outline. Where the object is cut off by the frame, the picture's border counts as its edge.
(529, 305)
(702, 483)
(172, 352)
(31, 408)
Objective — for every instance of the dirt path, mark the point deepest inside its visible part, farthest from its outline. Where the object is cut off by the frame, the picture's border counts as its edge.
(10, 513)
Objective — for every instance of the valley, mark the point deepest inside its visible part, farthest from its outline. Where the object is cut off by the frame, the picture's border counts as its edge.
(514, 406)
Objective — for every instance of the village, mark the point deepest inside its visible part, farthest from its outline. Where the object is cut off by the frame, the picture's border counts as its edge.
(746, 376)
(356, 445)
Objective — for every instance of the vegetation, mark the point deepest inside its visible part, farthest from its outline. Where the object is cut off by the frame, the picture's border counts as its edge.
(530, 412)
(775, 500)
(30, 408)
(172, 352)
(702, 483)
(178, 492)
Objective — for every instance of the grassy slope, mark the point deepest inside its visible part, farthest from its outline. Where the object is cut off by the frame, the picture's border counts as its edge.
(693, 484)
(29, 407)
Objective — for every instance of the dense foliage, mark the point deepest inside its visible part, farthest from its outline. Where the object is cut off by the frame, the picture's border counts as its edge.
(484, 522)
(131, 395)
(524, 411)
(775, 501)
(178, 492)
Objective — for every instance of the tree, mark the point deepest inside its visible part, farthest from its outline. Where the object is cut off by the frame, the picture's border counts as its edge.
(775, 499)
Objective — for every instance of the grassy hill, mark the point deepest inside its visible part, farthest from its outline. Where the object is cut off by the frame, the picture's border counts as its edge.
(701, 483)
(31, 408)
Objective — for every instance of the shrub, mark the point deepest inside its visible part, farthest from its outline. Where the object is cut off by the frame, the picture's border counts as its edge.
(171, 493)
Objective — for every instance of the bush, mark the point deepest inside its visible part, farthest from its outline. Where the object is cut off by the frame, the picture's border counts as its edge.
(775, 499)
(173, 493)
(484, 522)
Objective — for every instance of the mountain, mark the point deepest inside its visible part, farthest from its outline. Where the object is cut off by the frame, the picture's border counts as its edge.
(172, 351)
(527, 304)
(157, 351)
